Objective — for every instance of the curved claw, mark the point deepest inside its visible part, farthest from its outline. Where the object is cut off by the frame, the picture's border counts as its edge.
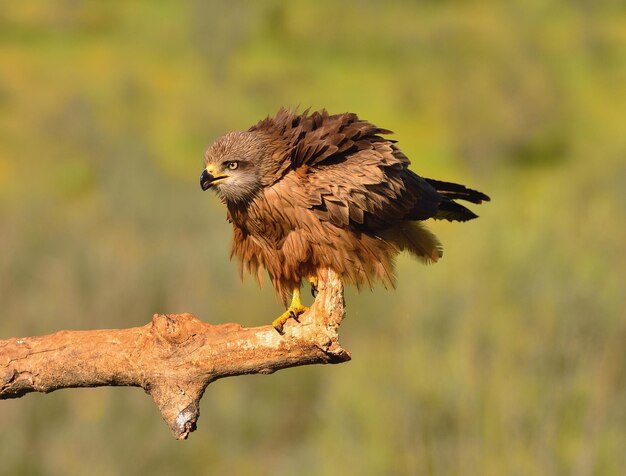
(293, 312)
(314, 282)
(279, 322)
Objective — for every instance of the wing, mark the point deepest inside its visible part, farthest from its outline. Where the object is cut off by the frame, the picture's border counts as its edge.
(355, 177)
(371, 190)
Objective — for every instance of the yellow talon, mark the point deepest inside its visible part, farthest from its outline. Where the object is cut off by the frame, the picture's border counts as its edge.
(293, 311)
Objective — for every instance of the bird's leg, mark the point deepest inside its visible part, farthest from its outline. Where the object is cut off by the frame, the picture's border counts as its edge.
(314, 282)
(293, 311)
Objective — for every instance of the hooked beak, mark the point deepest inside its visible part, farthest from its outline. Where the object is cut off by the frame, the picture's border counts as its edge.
(207, 179)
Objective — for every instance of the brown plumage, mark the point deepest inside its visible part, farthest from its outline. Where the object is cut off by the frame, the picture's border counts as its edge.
(312, 191)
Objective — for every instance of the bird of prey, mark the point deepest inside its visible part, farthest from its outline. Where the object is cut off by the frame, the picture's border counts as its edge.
(313, 191)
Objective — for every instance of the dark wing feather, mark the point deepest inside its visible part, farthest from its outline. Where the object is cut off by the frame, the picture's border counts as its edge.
(318, 137)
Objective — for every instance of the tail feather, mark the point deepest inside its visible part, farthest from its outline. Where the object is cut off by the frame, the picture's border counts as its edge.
(457, 191)
(450, 210)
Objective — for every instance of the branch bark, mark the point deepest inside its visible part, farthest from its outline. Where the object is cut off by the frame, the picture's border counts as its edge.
(175, 356)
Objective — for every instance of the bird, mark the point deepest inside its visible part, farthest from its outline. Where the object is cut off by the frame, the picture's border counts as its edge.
(312, 190)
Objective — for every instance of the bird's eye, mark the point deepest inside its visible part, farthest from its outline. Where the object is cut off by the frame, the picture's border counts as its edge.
(232, 164)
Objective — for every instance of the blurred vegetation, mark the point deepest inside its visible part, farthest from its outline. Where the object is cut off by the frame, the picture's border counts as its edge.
(508, 357)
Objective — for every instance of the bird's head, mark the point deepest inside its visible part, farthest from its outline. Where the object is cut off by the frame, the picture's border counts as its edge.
(234, 167)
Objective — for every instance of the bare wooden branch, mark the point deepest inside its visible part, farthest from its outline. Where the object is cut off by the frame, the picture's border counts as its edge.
(174, 357)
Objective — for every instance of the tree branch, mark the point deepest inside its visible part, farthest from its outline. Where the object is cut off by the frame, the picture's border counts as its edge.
(174, 357)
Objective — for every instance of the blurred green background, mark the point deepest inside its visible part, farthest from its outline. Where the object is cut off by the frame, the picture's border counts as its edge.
(507, 357)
